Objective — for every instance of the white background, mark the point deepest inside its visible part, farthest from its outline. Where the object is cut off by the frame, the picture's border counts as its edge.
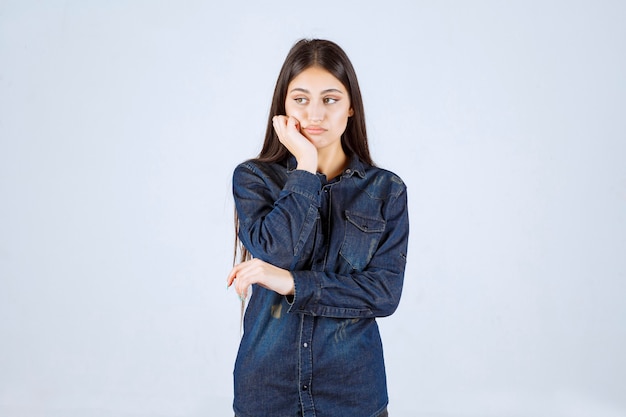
(121, 123)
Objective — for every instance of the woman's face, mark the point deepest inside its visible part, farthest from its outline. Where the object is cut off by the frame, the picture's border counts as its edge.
(321, 104)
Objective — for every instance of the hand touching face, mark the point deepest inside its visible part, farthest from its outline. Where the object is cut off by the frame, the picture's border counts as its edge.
(288, 130)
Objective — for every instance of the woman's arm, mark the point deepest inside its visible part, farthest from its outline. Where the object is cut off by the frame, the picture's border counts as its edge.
(373, 292)
(275, 223)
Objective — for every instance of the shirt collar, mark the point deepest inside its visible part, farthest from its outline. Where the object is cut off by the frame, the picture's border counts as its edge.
(355, 166)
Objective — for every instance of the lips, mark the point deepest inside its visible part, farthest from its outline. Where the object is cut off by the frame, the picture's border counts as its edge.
(314, 130)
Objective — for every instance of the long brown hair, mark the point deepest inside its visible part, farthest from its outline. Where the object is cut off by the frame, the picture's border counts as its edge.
(328, 55)
(304, 54)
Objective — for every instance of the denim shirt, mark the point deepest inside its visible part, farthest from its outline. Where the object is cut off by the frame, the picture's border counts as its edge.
(318, 352)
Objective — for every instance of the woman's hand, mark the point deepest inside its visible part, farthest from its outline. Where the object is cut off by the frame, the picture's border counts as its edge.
(288, 130)
(259, 272)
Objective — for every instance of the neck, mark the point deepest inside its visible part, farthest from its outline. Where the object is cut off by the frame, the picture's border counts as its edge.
(331, 162)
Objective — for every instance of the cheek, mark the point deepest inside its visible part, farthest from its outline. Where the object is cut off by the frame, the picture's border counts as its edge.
(293, 111)
(290, 107)
(341, 119)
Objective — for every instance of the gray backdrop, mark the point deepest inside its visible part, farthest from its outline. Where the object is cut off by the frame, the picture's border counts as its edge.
(121, 123)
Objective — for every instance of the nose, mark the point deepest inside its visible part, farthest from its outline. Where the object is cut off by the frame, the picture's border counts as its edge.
(316, 111)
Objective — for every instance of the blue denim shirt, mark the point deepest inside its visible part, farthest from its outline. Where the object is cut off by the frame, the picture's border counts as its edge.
(319, 352)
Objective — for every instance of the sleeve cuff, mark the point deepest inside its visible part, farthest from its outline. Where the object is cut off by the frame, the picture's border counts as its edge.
(306, 292)
(304, 183)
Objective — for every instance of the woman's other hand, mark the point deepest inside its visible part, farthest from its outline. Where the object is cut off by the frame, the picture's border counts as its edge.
(288, 130)
(259, 272)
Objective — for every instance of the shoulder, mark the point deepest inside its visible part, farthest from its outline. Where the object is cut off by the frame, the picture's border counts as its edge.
(253, 170)
(383, 174)
(382, 182)
(257, 167)
(253, 165)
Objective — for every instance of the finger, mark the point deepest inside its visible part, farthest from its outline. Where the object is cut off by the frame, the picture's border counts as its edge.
(279, 121)
(248, 273)
(280, 126)
(244, 274)
(241, 289)
(232, 275)
(293, 123)
(236, 274)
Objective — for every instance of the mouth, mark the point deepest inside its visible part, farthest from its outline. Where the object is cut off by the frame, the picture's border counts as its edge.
(314, 130)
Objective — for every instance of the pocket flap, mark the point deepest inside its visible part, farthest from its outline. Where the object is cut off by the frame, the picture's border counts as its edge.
(365, 224)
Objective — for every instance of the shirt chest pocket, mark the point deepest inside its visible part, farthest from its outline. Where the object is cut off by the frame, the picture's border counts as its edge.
(362, 235)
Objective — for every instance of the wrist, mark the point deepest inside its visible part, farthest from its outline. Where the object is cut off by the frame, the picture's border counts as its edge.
(288, 285)
(307, 165)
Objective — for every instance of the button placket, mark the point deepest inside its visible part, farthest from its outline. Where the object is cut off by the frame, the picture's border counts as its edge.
(306, 366)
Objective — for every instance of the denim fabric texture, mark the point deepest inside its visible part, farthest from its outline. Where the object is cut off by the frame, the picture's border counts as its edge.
(319, 353)
(384, 413)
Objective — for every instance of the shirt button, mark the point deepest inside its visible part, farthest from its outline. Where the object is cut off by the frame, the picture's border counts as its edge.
(348, 171)
(305, 344)
(305, 387)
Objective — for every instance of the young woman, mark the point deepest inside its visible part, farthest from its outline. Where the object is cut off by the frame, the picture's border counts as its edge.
(324, 241)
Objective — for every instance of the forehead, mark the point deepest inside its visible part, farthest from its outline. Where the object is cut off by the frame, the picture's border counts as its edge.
(316, 79)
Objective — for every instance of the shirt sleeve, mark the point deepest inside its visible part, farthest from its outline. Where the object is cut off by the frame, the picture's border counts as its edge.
(373, 292)
(274, 222)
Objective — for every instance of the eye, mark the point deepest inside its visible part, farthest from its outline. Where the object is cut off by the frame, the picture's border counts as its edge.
(330, 100)
(300, 100)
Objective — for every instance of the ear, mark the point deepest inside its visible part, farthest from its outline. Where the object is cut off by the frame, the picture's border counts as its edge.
(350, 112)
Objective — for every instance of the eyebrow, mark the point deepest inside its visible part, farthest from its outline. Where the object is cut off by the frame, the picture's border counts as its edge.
(330, 90)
